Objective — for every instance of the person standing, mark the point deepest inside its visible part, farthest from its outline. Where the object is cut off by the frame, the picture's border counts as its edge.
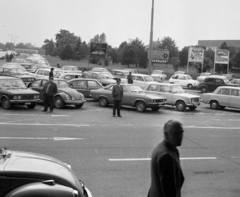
(51, 72)
(58, 66)
(117, 94)
(129, 78)
(166, 173)
(49, 90)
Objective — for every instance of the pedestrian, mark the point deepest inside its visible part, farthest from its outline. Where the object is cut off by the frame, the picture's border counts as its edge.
(166, 173)
(58, 66)
(7, 57)
(117, 94)
(129, 78)
(10, 57)
(51, 72)
(49, 90)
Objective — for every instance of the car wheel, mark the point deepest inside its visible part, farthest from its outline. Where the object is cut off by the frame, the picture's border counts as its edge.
(6, 104)
(103, 102)
(222, 107)
(140, 106)
(214, 105)
(181, 106)
(204, 90)
(32, 105)
(155, 108)
(59, 102)
(190, 86)
(192, 107)
(79, 106)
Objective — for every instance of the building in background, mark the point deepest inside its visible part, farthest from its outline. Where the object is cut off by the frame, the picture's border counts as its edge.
(216, 44)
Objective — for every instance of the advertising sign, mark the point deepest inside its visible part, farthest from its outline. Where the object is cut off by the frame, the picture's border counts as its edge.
(195, 54)
(98, 49)
(221, 56)
(160, 56)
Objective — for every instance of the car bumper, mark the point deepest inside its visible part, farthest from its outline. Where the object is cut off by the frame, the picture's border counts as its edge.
(156, 104)
(74, 102)
(25, 101)
(193, 104)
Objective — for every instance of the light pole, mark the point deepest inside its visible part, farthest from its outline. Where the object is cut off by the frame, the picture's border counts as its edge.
(14, 40)
(11, 37)
(150, 44)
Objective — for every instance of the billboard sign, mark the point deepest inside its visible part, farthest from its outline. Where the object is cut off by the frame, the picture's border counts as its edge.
(160, 56)
(98, 49)
(221, 56)
(195, 54)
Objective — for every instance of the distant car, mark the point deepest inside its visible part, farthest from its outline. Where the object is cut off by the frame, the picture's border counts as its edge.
(179, 72)
(14, 92)
(100, 69)
(235, 81)
(70, 68)
(13, 64)
(43, 73)
(120, 73)
(212, 82)
(32, 174)
(184, 80)
(37, 60)
(175, 95)
(133, 96)
(132, 70)
(203, 76)
(15, 71)
(65, 95)
(159, 75)
(103, 78)
(223, 96)
(30, 67)
(85, 85)
(68, 76)
(142, 80)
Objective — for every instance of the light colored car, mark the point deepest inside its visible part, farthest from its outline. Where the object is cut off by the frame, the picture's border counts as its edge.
(132, 70)
(103, 78)
(184, 80)
(33, 174)
(159, 75)
(68, 76)
(175, 95)
(179, 72)
(223, 96)
(100, 69)
(235, 81)
(30, 67)
(203, 76)
(70, 68)
(43, 73)
(133, 96)
(120, 73)
(141, 80)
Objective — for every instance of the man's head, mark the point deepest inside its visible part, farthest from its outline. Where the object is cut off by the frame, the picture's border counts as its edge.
(173, 132)
(130, 73)
(52, 69)
(118, 80)
(50, 78)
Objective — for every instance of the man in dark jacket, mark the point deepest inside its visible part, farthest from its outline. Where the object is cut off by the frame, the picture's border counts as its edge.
(117, 94)
(51, 72)
(49, 90)
(166, 173)
(129, 78)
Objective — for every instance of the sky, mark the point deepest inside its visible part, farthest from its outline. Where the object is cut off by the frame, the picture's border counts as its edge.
(184, 21)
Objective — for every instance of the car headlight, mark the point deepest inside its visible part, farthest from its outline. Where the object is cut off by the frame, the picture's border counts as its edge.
(36, 96)
(81, 96)
(67, 96)
(16, 97)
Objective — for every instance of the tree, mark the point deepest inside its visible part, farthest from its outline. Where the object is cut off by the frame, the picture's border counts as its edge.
(175, 62)
(77, 49)
(128, 55)
(237, 60)
(99, 38)
(67, 53)
(139, 51)
(169, 43)
(114, 54)
(183, 56)
(49, 47)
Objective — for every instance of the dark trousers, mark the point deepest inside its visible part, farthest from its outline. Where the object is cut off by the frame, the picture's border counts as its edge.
(117, 105)
(48, 99)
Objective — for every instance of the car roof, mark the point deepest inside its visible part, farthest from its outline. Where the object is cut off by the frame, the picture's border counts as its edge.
(138, 74)
(12, 66)
(82, 79)
(7, 77)
(126, 71)
(217, 76)
(71, 73)
(69, 66)
(229, 87)
(168, 84)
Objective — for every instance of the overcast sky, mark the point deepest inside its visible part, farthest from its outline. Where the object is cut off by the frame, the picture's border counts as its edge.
(185, 21)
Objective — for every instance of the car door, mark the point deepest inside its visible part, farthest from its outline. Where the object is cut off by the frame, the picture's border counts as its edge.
(234, 100)
(92, 85)
(39, 74)
(126, 96)
(174, 79)
(218, 82)
(37, 86)
(80, 86)
(211, 83)
(224, 97)
(182, 81)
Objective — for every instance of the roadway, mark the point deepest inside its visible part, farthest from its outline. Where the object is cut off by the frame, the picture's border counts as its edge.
(112, 155)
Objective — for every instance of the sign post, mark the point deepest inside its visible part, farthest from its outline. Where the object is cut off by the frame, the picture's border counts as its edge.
(221, 57)
(98, 50)
(195, 54)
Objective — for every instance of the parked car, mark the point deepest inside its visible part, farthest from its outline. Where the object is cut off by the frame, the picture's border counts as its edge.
(235, 81)
(69, 76)
(212, 82)
(158, 75)
(133, 96)
(203, 76)
(120, 73)
(85, 85)
(175, 95)
(99, 69)
(32, 174)
(141, 80)
(14, 92)
(179, 72)
(43, 73)
(132, 70)
(184, 80)
(15, 71)
(223, 96)
(64, 96)
(13, 64)
(30, 67)
(70, 68)
(103, 78)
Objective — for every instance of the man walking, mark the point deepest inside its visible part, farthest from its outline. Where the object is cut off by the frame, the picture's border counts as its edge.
(129, 78)
(166, 173)
(117, 94)
(51, 72)
(49, 90)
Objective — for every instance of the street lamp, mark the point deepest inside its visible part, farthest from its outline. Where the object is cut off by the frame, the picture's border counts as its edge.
(150, 44)
(11, 37)
(14, 40)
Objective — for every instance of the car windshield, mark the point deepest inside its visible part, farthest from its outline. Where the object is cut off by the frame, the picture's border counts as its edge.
(61, 84)
(135, 89)
(177, 89)
(226, 81)
(12, 84)
(188, 77)
(157, 72)
(21, 72)
(105, 76)
(148, 78)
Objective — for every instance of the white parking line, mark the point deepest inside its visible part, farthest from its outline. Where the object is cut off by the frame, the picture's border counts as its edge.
(34, 115)
(148, 159)
(41, 138)
(44, 124)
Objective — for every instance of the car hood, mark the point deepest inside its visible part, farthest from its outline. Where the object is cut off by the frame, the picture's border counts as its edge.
(187, 95)
(71, 92)
(33, 165)
(152, 95)
(21, 91)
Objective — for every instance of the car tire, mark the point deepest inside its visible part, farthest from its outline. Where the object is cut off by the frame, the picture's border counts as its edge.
(79, 106)
(103, 102)
(192, 107)
(222, 107)
(32, 105)
(58, 102)
(204, 89)
(214, 105)
(181, 106)
(190, 86)
(141, 106)
(6, 104)
(155, 108)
